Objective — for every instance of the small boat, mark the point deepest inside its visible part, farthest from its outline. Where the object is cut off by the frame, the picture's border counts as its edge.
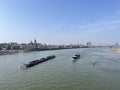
(94, 63)
(76, 56)
(35, 62)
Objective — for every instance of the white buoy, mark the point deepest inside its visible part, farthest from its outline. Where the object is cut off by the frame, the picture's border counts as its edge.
(93, 62)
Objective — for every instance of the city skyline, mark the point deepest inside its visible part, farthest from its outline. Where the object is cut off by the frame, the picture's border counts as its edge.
(60, 21)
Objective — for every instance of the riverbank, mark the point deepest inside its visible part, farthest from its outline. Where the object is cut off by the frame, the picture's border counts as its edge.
(116, 50)
(8, 52)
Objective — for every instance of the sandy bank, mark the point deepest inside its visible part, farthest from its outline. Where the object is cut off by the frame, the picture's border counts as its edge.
(116, 50)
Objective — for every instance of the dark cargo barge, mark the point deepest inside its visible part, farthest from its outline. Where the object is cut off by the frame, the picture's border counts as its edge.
(35, 62)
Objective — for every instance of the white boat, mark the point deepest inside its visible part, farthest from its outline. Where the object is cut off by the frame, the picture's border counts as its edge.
(76, 56)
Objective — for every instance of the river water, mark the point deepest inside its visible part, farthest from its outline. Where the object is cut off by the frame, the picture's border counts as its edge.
(62, 73)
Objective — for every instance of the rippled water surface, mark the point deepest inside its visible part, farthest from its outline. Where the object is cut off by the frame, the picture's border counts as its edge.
(62, 73)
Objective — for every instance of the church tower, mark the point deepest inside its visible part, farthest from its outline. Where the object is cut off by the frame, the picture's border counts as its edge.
(35, 42)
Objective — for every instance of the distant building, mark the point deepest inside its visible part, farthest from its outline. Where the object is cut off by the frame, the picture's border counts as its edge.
(5, 46)
(4, 49)
(14, 46)
(116, 45)
(29, 46)
(40, 46)
(35, 42)
(0, 47)
(89, 45)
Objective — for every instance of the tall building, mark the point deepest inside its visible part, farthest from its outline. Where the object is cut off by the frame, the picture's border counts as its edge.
(89, 45)
(35, 42)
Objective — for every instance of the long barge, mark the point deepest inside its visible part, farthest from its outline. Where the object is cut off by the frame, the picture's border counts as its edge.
(35, 62)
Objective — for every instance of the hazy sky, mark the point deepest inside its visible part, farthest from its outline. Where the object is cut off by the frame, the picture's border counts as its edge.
(60, 21)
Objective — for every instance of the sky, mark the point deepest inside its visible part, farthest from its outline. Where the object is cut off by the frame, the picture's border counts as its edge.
(60, 21)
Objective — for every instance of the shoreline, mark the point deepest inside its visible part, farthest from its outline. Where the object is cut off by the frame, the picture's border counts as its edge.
(10, 52)
(116, 50)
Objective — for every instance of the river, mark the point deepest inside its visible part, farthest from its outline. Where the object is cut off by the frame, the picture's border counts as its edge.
(62, 73)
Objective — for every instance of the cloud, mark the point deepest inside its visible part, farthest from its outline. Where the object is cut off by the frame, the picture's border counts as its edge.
(101, 26)
(105, 30)
(111, 22)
